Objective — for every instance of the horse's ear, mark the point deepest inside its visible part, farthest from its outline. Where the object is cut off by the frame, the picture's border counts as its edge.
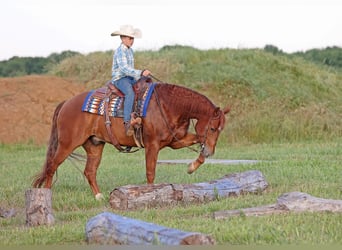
(226, 110)
(217, 111)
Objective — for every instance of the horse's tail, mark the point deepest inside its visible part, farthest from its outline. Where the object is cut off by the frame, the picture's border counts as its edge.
(52, 147)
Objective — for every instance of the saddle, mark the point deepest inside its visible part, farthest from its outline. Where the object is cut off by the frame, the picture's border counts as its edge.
(109, 87)
(107, 101)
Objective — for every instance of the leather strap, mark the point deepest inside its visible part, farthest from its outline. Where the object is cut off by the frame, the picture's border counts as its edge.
(108, 123)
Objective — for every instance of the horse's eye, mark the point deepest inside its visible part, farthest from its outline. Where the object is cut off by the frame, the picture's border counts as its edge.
(213, 129)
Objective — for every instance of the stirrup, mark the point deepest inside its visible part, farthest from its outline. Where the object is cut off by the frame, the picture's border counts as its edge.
(129, 130)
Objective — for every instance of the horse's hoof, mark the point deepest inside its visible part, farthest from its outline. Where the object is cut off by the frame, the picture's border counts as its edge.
(99, 197)
(191, 168)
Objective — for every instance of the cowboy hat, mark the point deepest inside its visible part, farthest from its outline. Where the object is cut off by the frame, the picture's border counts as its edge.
(127, 30)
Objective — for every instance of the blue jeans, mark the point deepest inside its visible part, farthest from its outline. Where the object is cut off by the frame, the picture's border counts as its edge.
(125, 85)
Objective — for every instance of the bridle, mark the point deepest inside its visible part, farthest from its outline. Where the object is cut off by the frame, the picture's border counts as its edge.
(207, 127)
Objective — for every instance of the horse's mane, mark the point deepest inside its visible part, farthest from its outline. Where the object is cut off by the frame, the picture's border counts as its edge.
(182, 98)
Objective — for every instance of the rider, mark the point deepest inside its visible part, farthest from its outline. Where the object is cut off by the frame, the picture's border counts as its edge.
(124, 75)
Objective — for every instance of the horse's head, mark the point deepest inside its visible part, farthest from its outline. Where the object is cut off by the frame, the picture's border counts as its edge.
(208, 130)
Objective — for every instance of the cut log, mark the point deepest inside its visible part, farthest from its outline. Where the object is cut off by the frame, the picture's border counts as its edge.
(39, 207)
(302, 202)
(158, 195)
(111, 229)
(288, 202)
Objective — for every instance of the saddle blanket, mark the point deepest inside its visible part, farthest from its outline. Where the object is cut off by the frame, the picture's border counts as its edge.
(95, 104)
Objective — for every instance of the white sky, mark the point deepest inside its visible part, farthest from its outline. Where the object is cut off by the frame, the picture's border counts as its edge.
(41, 27)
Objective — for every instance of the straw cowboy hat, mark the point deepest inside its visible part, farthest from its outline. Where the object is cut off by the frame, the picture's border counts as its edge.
(127, 30)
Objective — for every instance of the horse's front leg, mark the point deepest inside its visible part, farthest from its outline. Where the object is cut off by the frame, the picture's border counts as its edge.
(188, 140)
(151, 156)
(193, 166)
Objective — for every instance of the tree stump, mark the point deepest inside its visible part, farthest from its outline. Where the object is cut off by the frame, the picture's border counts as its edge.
(108, 228)
(158, 195)
(288, 202)
(39, 207)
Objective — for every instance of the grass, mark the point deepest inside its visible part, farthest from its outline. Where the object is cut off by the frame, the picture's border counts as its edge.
(285, 112)
(311, 167)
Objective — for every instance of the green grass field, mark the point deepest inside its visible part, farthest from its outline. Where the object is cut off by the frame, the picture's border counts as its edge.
(286, 112)
(312, 167)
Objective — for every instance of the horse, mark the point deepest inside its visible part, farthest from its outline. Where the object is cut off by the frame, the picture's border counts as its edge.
(166, 124)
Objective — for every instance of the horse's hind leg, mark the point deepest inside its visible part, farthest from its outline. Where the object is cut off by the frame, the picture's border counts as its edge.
(94, 154)
(53, 163)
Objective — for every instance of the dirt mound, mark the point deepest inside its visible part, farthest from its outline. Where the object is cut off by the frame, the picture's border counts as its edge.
(27, 105)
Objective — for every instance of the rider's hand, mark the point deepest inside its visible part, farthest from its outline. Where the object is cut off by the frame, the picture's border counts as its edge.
(146, 72)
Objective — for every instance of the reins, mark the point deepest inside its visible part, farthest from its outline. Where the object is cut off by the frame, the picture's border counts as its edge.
(155, 78)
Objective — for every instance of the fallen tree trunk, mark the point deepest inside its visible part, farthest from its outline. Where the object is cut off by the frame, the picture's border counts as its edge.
(108, 228)
(158, 195)
(288, 202)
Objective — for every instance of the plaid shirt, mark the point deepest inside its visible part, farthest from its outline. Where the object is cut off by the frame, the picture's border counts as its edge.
(123, 64)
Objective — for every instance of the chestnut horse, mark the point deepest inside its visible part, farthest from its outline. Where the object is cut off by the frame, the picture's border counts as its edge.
(166, 124)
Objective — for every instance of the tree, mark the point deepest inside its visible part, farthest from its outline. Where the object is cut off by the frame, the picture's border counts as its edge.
(19, 66)
(272, 49)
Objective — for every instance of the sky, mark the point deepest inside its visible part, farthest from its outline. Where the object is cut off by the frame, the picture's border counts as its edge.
(42, 27)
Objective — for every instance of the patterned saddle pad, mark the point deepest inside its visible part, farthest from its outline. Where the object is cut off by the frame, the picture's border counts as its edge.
(94, 103)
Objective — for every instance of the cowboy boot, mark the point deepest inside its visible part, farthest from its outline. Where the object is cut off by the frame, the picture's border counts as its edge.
(135, 120)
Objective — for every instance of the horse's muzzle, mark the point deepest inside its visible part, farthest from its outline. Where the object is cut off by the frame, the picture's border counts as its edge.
(205, 151)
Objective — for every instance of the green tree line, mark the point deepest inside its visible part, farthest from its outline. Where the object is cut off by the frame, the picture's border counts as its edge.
(330, 56)
(19, 66)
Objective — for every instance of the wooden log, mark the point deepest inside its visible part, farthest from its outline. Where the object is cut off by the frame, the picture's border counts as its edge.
(111, 229)
(302, 202)
(39, 207)
(288, 202)
(158, 195)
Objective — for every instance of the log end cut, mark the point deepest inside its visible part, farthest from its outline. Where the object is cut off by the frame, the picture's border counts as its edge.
(198, 239)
